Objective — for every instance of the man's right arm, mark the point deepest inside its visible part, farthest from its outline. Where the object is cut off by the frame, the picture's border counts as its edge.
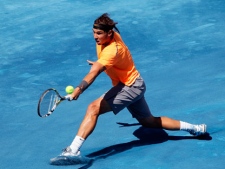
(95, 70)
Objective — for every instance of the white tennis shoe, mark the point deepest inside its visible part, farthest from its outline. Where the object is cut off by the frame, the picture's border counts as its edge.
(67, 157)
(68, 152)
(198, 130)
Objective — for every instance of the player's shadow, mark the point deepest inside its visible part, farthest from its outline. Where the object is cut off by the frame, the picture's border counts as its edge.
(146, 136)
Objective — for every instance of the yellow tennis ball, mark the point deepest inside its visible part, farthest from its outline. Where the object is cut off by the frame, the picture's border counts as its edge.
(69, 89)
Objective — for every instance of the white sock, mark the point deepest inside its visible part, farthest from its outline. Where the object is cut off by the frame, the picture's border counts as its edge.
(76, 144)
(186, 126)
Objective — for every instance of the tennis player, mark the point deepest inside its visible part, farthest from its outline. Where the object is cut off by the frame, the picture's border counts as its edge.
(114, 58)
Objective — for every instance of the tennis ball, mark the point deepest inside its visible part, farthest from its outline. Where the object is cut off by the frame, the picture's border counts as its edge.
(69, 89)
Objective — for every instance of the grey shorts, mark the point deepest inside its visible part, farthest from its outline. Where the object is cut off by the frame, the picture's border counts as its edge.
(130, 97)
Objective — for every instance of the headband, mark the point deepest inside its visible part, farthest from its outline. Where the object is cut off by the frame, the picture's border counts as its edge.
(103, 27)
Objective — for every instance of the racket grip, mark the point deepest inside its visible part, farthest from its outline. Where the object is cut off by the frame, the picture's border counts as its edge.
(68, 97)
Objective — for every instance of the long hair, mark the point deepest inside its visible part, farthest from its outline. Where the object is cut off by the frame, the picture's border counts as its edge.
(105, 20)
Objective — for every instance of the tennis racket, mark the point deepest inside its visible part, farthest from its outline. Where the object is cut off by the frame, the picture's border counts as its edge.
(48, 102)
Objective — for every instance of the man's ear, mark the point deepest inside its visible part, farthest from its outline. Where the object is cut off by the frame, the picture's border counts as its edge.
(110, 33)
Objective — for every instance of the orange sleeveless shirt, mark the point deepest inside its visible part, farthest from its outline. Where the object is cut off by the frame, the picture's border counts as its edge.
(118, 61)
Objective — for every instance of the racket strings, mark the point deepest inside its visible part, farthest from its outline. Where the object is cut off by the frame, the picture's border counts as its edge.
(54, 102)
(48, 102)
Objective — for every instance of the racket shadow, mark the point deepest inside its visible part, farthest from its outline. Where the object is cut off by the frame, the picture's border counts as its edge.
(146, 136)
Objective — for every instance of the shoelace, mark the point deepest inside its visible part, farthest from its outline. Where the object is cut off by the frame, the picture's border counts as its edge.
(66, 150)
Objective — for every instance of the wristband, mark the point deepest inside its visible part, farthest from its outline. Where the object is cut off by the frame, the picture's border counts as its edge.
(83, 85)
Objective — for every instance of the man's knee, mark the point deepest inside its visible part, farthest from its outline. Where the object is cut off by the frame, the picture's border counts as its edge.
(93, 109)
(151, 122)
(99, 106)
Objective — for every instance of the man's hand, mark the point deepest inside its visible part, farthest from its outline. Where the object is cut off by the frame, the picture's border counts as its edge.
(76, 93)
(96, 69)
(90, 62)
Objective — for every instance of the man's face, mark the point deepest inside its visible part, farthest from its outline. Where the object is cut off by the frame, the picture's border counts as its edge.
(101, 37)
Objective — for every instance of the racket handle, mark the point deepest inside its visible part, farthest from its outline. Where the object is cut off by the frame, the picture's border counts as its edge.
(68, 97)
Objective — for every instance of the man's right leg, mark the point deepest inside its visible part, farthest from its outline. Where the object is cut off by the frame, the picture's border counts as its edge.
(71, 155)
(110, 101)
(96, 108)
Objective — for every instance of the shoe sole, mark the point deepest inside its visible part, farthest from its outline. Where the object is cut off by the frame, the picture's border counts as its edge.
(69, 160)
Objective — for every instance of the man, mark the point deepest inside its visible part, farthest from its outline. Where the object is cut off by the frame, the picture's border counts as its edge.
(127, 92)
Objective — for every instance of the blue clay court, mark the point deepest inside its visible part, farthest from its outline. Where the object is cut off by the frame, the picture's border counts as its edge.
(179, 49)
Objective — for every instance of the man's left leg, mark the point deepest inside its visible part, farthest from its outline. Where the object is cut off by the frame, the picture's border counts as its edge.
(141, 112)
(171, 124)
(160, 122)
